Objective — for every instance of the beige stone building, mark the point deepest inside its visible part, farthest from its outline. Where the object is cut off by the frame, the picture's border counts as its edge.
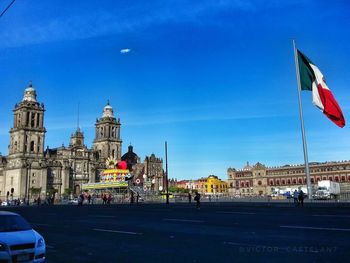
(259, 180)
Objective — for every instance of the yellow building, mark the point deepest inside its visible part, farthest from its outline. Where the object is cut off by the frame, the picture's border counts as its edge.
(214, 185)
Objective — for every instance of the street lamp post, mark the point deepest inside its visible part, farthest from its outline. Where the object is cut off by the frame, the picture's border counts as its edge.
(166, 173)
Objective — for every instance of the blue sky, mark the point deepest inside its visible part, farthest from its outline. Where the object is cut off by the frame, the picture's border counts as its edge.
(216, 79)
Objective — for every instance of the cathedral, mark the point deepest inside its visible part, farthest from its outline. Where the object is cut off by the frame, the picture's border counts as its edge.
(30, 169)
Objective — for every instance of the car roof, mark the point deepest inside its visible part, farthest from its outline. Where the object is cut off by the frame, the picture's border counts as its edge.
(6, 213)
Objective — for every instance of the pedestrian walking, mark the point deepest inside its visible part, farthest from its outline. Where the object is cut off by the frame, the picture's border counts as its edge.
(89, 199)
(104, 199)
(301, 197)
(197, 198)
(80, 199)
(189, 197)
(137, 198)
(132, 197)
(109, 199)
(295, 197)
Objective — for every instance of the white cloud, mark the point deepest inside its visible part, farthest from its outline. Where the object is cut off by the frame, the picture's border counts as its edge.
(125, 50)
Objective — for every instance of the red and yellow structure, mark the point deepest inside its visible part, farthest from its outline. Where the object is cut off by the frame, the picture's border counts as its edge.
(114, 177)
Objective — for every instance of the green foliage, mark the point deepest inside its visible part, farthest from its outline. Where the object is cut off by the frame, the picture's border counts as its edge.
(35, 191)
(51, 191)
(67, 192)
(174, 189)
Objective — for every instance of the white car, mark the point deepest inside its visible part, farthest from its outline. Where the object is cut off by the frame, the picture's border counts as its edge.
(19, 242)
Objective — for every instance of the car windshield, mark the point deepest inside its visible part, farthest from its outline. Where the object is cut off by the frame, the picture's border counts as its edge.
(9, 223)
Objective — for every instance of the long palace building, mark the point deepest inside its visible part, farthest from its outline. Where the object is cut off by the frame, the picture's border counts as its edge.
(261, 180)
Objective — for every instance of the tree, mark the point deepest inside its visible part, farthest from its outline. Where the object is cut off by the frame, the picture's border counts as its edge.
(51, 191)
(174, 189)
(35, 191)
(67, 192)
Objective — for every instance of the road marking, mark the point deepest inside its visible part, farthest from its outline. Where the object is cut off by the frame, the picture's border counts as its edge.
(116, 231)
(236, 244)
(240, 213)
(97, 216)
(317, 228)
(182, 220)
(333, 215)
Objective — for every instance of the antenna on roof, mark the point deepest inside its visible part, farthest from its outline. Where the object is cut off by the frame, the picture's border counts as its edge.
(78, 116)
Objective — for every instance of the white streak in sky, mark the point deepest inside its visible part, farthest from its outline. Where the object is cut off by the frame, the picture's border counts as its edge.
(125, 50)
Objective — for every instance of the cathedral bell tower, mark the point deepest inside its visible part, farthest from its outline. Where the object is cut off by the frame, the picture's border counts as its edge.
(107, 142)
(28, 133)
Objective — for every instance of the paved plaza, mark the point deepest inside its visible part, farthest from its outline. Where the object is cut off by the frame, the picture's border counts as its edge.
(218, 232)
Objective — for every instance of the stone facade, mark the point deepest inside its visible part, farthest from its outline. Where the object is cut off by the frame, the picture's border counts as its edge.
(154, 172)
(29, 168)
(259, 180)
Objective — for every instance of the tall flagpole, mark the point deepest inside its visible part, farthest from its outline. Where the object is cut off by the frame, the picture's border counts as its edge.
(307, 170)
(166, 173)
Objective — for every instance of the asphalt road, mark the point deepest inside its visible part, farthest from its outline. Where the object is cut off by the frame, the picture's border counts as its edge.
(180, 233)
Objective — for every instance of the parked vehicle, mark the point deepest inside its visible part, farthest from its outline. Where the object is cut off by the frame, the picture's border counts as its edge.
(73, 201)
(19, 242)
(327, 189)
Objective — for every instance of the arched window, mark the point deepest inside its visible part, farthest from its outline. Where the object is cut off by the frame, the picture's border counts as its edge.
(32, 121)
(271, 182)
(336, 179)
(15, 146)
(312, 180)
(113, 152)
(294, 181)
(37, 120)
(283, 181)
(242, 184)
(288, 181)
(32, 146)
(27, 119)
(259, 183)
(277, 182)
(300, 181)
(343, 178)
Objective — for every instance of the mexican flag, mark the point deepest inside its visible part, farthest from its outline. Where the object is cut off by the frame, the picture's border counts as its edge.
(312, 79)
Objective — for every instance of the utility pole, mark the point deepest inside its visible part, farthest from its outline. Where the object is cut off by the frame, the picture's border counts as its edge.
(166, 173)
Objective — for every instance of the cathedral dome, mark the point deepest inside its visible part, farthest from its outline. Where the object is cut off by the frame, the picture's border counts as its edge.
(247, 167)
(130, 158)
(29, 93)
(108, 111)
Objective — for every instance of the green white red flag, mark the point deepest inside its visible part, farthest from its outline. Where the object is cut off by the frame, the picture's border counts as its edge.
(312, 79)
